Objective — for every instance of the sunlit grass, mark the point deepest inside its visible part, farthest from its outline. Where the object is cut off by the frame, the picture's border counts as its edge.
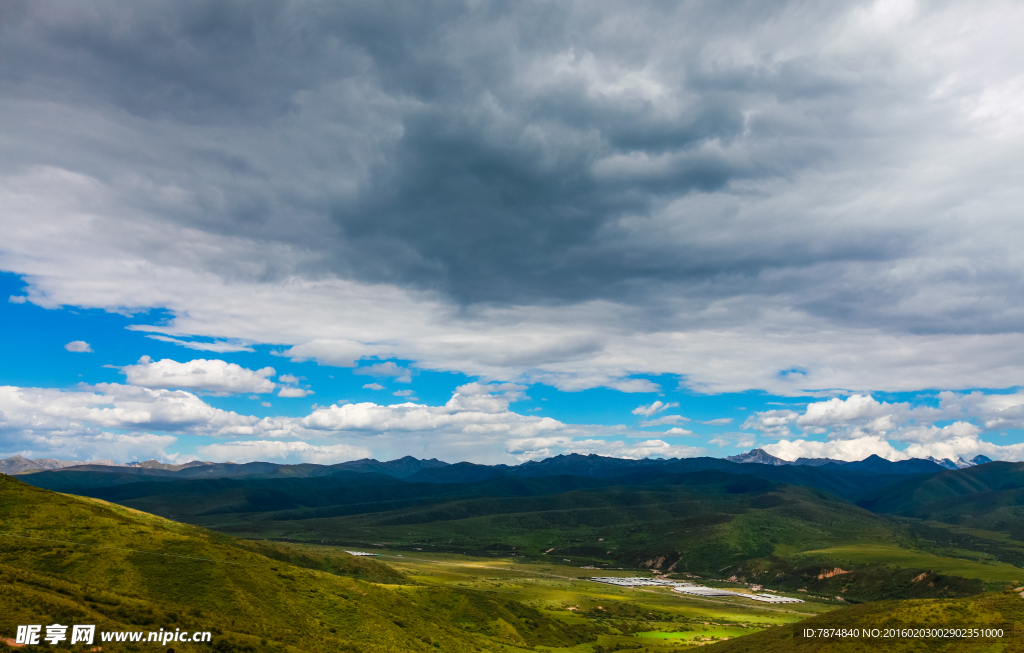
(863, 554)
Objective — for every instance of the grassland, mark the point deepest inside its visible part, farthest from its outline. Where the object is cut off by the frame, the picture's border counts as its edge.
(971, 566)
(782, 537)
(73, 560)
(653, 617)
(902, 627)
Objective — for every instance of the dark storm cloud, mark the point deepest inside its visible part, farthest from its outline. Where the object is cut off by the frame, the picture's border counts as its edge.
(512, 153)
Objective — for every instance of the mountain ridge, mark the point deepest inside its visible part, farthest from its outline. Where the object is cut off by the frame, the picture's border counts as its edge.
(433, 470)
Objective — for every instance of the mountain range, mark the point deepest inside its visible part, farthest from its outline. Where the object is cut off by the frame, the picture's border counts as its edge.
(434, 470)
(406, 467)
(885, 522)
(21, 465)
(762, 457)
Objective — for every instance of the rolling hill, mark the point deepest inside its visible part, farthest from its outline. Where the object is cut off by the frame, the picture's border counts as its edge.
(994, 623)
(76, 560)
(989, 497)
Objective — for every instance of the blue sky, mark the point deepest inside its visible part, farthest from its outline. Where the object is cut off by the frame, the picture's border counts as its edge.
(791, 227)
(595, 415)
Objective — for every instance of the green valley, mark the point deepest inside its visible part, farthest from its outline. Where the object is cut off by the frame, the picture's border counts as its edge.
(495, 562)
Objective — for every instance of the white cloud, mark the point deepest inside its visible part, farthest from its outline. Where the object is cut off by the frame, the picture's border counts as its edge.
(119, 447)
(774, 259)
(859, 411)
(665, 419)
(373, 386)
(860, 426)
(741, 440)
(288, 378)
(28, 411)
(214, 376)
(542, 447)
(288, 392)
(654, 408)
(853, 417)
(718, 422)
(932, 434)
(332, 351)
(996, 411)
(849, 450)
(285, 452)
(475, 424)
(78, 346)
(620, 384)
(675, 430)
(219, 347)
(771, 422)
(965, 447)
(475, 408)
(954, 441)
(266, 404)
(403, 393)
(400, 374)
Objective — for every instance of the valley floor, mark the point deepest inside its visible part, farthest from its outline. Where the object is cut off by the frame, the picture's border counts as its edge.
(655, 619)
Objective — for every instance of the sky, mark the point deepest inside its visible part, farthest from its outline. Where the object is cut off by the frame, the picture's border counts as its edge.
(501, 231)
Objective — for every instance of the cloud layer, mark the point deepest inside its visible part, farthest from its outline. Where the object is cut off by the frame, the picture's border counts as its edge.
(860, 426)
(793, 198)
(117, 421)
(773, 198)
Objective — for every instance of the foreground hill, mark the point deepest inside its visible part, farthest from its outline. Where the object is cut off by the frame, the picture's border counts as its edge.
(75, 560)
(989, 612)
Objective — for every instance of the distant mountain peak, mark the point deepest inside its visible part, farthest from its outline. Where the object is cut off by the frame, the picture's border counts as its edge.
(18, 459)
(156, 464)
(981, 460)
(959, 463)
(20, 464)
(399, 468)
(759, 456)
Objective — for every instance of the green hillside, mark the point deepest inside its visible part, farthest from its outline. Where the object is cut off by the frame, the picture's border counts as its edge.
(744, 529)
(73, 560)
(989, 612)
(988, 497)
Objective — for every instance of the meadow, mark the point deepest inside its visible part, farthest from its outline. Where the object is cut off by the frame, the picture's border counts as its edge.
(973, 565)
(653, 617)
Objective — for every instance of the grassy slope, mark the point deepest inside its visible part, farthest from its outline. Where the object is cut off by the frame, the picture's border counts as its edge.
(989, 497)
(68, 559)
(558, 590)
(1005, 609)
